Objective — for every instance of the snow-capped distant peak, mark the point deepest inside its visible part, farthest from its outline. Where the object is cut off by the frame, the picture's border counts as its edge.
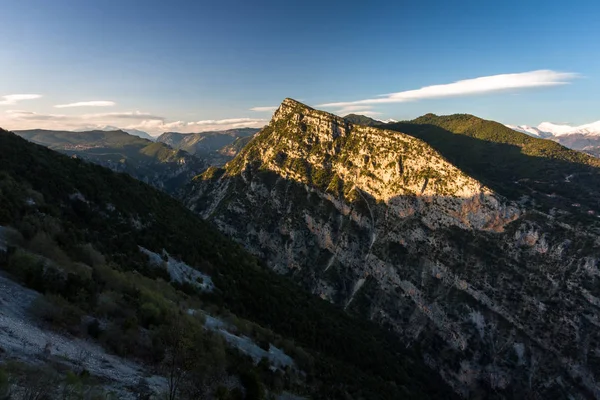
(555, 129)
(388, 121)
(550, 130)
(590, 129)
(529, 130)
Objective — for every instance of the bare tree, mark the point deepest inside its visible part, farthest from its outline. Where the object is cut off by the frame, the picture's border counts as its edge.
(176, 361)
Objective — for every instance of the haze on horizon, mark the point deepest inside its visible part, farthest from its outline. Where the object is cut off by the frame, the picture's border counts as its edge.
(191, 66)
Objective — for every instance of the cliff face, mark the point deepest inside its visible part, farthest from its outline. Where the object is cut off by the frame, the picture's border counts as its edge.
(498, 298)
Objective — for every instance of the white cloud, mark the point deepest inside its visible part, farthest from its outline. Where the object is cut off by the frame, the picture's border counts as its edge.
(467, 87)
(15, 98)
(93, 103)
(201, 126)
(264, 109)
(33, 116)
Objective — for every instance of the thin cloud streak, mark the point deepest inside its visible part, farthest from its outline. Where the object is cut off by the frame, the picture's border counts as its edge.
(137, 115)
(358, 109)
(264, 109)
(470, 87)
(227, 121)
(33, 116)
(94, 103)
(353, 109)
(10, 99)
(366, 113)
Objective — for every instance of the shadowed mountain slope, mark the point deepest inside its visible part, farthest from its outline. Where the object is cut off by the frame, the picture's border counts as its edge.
(153, 163)
(433, 236)
(93, 221)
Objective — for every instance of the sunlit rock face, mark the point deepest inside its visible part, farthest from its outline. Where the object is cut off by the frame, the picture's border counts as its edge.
(499, 299)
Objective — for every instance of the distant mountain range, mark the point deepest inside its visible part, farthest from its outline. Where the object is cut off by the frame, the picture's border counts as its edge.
(548, 129)
(217, 147)
(134, 132)
(154, 163)
(583, 137)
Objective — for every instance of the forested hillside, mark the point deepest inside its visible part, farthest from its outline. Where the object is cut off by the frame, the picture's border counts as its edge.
(154, 163)
(83, 235)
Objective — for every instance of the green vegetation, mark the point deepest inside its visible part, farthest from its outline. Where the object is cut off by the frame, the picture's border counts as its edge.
(362, 120)
(153, 163)
(217, 147)
(512, 163)
(81, 226)
(38, 382)
(211, 173)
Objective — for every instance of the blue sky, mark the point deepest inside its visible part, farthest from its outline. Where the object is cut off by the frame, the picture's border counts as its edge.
(197, 65)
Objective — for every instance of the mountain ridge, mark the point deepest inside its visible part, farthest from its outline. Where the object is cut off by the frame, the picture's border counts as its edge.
(210, 145)
(354, 215)
(151, 162)
(98, 230)
(550, 129)
(134, 132)
(584, 138)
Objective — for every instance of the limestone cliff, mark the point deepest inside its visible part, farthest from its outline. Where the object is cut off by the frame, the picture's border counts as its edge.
(499, 299)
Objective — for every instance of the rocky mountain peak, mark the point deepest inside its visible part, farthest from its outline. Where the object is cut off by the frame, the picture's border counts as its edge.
(289, 104)
(293, 110)
(381, 224)
(352, 161)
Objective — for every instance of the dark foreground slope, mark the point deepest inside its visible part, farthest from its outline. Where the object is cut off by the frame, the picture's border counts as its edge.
(154, 163)
(81, 226)
(449, 239)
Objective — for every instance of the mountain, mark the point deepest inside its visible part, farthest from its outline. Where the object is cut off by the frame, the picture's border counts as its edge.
(519, 166)
(127, 291)
(592, 150)
(138, 133)
(530, 130)
(584, 137)
(153, 163)
(358, 119)
(548, 129)
(588, 143)
(560, 130)
(473, 243)
(134, 132)
(231, 150)
(362, 120)
(207, 145)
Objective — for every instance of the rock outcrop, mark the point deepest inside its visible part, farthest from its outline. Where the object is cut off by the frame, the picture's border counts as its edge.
(499, 299)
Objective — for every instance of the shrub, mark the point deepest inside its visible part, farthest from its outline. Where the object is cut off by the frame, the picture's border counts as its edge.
(57, 311)
(94, 329)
